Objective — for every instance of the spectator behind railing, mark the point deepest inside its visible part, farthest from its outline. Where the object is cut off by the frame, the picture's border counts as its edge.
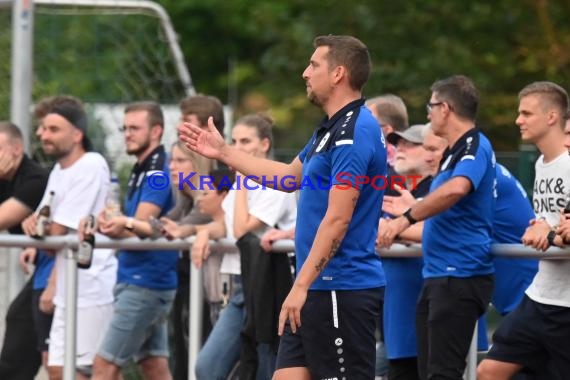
(77, 186)
(195, 109)
(536, 335)
(404, 275)
(458, 214)
(512, 211)
(146, 280)
(22, 184)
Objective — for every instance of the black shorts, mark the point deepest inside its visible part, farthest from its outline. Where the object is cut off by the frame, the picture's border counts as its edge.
(535, 335)
(337, 335)
(42, 321)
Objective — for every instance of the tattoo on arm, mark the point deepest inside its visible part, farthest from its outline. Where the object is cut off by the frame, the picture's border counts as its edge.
(321, 265)
(323, 262)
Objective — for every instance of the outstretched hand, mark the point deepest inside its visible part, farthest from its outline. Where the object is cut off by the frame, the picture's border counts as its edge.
(208, 142)
(396, 206)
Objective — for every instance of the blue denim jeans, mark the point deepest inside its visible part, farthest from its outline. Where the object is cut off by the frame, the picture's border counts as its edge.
(138, 326)
(222, 348)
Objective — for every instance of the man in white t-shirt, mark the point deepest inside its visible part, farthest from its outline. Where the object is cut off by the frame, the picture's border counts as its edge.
(79, 182)
(536, 335)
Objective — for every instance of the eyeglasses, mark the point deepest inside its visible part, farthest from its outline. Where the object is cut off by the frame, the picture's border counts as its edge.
(130, 129)
(429, 106)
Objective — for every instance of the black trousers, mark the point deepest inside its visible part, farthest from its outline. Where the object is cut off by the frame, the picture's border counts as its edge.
(20, 358)
(447, 311)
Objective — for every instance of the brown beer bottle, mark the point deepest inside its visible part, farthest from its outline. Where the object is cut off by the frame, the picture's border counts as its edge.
(85, 251)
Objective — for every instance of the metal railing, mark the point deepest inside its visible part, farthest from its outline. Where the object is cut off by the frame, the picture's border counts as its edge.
(69, 243)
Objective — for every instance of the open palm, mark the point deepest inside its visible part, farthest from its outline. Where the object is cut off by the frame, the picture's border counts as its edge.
(207, 142)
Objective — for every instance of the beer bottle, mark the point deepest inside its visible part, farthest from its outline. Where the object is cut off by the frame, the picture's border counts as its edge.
(85, 251)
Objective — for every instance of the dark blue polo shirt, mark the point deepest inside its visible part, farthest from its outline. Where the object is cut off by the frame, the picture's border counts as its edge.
(155, 269)
(348, 145)
(456, 242)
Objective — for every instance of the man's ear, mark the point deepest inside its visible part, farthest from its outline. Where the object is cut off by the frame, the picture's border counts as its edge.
(77, 135)
(156, 132)
(339, 72)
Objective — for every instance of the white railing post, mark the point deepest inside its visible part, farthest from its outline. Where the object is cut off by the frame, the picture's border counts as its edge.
(195, 305)
(70, 313)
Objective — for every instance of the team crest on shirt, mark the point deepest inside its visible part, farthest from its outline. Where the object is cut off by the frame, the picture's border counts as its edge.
(323, 142)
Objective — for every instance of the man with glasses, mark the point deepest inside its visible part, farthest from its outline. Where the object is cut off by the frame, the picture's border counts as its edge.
(456, 240)
(146, 280)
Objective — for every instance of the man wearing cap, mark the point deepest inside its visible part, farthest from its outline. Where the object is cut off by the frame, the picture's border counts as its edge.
(79, 182)
(404, 275)
(457, 234)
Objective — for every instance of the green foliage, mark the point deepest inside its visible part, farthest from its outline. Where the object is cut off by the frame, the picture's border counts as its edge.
(251, 54)
(503, 45)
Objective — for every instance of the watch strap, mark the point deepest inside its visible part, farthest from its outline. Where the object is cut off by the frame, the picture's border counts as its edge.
(408, 215)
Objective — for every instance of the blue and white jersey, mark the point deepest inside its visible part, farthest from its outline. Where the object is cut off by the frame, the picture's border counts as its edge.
(155, 269)
(456, 242)
(345, 148)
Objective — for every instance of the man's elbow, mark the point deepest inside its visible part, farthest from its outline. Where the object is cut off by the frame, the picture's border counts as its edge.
(340, 222)
(239, 232)
(459, 189)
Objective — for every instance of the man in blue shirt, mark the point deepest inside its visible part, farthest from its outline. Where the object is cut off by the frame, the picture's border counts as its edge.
(146, 280)
(327, 321)
(456, 239)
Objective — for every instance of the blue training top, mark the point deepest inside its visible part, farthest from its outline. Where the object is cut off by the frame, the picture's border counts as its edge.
(44, 265)
(513, 212)
(150, 269)
(347, 145)
(456, 242)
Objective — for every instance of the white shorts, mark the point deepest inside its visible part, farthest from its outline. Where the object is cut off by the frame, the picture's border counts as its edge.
(92, 324)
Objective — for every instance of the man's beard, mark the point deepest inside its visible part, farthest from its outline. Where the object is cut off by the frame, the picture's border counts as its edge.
(55, 153)
(139, 150)
(314, 99)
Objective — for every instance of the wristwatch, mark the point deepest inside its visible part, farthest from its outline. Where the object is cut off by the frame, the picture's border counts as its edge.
(129, 225)
(408, 215)
(550, 237)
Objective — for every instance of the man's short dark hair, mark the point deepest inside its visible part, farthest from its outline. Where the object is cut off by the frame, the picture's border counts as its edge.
(155, 116)
(11, 130)
(391, 110)
(349, 52)
(460, 93)
(204, 106)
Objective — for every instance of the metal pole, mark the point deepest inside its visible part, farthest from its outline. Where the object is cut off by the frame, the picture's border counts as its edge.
(20, 99)
(70, 314)
(21, 81)
(195, 304)
(471, 367)
(160, 12)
